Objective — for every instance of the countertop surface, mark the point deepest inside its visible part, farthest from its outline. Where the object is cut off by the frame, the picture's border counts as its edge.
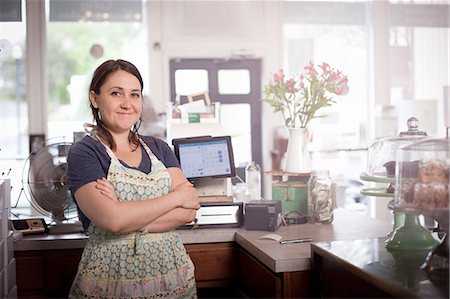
(398, 273)
(347, 225)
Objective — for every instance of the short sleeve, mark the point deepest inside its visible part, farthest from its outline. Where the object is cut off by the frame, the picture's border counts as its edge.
(170, 160)
(85, 164)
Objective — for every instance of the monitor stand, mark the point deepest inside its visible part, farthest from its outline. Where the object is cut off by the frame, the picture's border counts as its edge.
(213, 187)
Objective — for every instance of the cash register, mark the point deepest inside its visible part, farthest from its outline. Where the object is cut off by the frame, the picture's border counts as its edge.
(208, 163)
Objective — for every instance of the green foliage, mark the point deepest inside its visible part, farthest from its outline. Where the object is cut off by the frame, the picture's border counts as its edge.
(68, 52)
(8, 77)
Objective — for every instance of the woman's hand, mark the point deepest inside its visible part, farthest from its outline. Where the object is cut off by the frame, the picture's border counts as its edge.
(106, 188)
(183, 190)
(188, 196)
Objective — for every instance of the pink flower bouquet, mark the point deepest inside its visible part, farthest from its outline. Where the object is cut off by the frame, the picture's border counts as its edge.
(299, 98)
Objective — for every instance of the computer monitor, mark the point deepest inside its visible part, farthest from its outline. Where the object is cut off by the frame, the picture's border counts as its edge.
(205, 157)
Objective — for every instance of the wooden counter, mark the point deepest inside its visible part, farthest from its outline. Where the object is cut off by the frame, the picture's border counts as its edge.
(243, 257)
(347, 225)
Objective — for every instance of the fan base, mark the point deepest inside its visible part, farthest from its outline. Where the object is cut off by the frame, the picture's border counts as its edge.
(66, 228)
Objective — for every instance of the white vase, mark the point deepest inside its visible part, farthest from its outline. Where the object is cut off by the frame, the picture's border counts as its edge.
(298, 158)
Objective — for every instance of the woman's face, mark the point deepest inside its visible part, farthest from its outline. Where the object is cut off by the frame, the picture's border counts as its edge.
(119, 101)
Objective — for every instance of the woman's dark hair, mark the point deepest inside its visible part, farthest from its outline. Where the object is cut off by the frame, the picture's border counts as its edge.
(101, 74)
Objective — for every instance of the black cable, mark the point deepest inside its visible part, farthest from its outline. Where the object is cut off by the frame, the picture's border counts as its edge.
(18, 197)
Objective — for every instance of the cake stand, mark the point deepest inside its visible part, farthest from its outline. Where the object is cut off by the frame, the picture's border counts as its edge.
(381, 192)
(408, 233)
(411, 236)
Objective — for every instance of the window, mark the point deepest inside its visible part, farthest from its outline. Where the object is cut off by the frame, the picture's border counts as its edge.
(80, 36)
(415, 66)
(233, 81)
(13, 104)
(419, 53)
(191, 81)
(396, 55)
(335, 33)
(14, 112)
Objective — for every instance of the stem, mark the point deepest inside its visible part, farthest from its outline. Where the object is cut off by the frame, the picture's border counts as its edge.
(292, 109)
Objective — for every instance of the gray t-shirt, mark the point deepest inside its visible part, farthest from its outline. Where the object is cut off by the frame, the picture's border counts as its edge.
(88, 161)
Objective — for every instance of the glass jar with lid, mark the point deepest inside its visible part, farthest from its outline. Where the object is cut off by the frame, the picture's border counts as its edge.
(320, 198)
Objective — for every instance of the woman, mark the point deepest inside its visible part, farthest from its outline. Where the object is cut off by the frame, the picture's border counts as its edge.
(130, 194)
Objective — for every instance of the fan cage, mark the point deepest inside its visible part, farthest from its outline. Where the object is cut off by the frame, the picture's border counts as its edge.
(44, 181)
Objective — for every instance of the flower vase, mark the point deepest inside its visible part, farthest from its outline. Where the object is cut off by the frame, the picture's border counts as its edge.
(298, 158)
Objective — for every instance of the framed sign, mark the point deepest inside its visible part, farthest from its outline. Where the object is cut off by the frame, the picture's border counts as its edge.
(201, 96)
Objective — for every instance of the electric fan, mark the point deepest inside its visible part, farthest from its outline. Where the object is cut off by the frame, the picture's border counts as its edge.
(44, 181)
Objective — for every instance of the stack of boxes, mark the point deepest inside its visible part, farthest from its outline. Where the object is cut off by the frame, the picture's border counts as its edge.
(8, 287)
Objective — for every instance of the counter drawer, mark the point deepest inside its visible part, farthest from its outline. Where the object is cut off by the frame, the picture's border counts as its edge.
(215, 263)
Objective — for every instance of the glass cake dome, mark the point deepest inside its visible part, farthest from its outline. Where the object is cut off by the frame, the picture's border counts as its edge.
(381, 155)
(422, 176)
(381, 159)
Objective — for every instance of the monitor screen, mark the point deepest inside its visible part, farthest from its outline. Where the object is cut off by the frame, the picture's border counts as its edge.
(205, 157)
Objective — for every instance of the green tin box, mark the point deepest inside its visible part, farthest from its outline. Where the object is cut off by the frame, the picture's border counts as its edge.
(293, 197)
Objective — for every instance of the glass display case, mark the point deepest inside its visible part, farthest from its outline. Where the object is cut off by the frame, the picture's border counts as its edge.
(423, 177)
(422, 187)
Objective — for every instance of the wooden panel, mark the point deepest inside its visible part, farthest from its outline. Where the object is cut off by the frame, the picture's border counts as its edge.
(60, 271)
(46, 273)
(331, 280)
(256, 280)
(50, 273)
(297, 284)
(213, 262)
(30, 278)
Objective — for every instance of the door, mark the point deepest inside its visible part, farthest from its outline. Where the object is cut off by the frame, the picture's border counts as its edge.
(236, 84)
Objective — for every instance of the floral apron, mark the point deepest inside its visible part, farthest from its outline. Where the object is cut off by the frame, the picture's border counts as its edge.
(140, 264)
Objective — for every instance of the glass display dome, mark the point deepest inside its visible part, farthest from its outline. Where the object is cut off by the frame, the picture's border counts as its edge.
(381, 159)
(381, 156)
(422, 179)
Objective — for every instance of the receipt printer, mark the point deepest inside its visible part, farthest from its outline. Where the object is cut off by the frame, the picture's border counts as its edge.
(262, 215)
